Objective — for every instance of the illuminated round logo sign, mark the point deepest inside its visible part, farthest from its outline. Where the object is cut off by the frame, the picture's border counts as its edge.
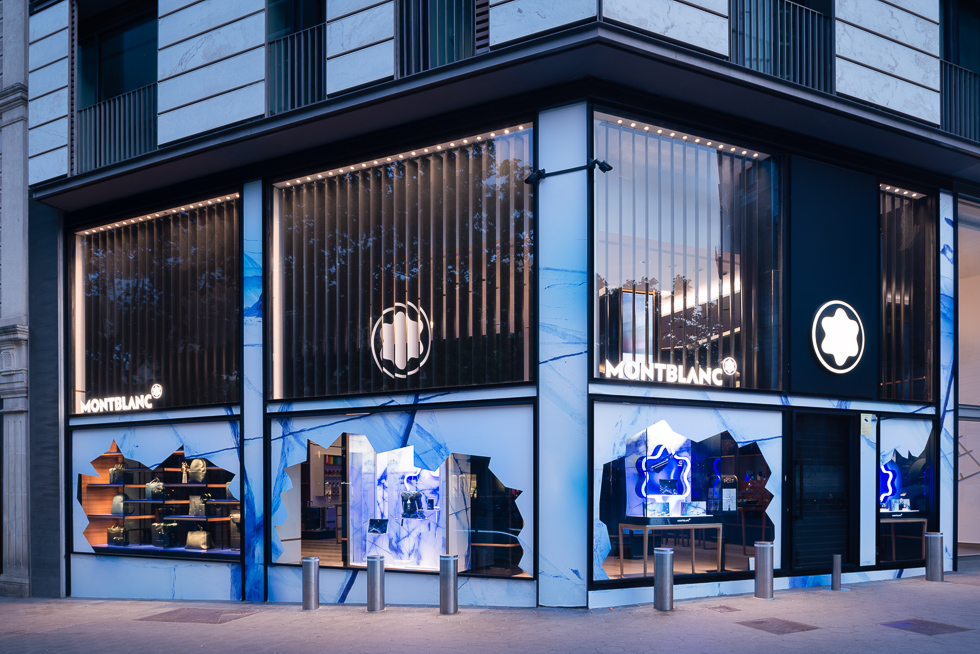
(838, 337)
(156, 391)
(401, 340)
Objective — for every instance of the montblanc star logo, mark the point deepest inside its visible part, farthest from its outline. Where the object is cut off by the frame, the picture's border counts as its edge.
(838, 336)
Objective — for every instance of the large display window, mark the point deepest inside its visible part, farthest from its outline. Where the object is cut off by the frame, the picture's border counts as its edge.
(157, 310)
(705, 482)
(906, 488)
(908, 294)
(170, 490)
(460, 483)
(408, 271)
(687, 258)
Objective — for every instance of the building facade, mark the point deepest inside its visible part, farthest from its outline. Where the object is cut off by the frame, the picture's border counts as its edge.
(540, 284)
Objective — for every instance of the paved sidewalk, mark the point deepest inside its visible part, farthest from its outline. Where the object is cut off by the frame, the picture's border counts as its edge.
(841, 623)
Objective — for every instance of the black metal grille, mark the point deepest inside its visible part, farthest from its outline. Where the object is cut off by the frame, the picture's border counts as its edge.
(785, 40)
(117, 129)
(961, 101)
(439, 32)
(298, 70)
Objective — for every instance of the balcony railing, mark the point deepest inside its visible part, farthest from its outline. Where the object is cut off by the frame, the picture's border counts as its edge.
(298, 70)
(785, 40)
(116, 129)
(961, 101)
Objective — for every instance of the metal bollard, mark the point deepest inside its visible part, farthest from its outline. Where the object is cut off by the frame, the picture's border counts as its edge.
(448, 603)
(763, 570)
(375, 583)
(835, 573)
(934, 556)
(311, 583)
(663, 578)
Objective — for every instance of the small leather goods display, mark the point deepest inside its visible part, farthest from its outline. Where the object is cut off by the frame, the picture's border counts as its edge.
(164, 534)
(412, 505)
(116, 535)
(197, 471)
(155, 490)
(199, 540)
(120, 506)
(669, 486)
(235, 530)
(377, 526)
(116, 474)
(196, 506)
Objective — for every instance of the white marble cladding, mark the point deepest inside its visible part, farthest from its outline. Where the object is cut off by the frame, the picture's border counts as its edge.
(705, 28)
(49, 44)
(891, 22)
(361, 29)
(887, 91)
(511, 20)
(888, 54)
(360, 43)
(210, 65)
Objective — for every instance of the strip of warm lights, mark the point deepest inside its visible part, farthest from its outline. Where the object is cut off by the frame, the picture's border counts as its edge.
(158, 214)
(899, 191)
(395, 158)
(664, 132)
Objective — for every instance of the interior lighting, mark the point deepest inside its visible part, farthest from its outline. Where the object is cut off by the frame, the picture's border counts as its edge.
(632, 124)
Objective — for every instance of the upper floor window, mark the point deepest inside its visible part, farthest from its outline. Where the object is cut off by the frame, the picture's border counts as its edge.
(688, 258)
(961, 25)
(287, 17)
(117, 50)
(439, 32)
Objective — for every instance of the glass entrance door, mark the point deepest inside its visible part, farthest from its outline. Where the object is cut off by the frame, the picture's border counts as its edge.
(821, 489)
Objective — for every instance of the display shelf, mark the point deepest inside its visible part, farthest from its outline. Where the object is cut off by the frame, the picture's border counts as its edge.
(121, 517)
(157, 501)
(153, 548)
(181, 469)
(192, 518)
(100, 485)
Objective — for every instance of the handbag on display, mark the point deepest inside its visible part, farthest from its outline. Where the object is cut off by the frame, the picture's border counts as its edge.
(235, 530)
(197, 471)
(412, 505)
(116, 474)
(196, 507)
(199, 539)
(155, 490)
(164, 534)
(120, 506)
(116, 535)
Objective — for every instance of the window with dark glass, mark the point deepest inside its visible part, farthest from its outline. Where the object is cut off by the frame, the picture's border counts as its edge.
(409, 271)
(285, 17)
(157, 309)
(117, 51)
(906, 488)
(687, 258)
(297, 54)
(908, 293)
(439, 32)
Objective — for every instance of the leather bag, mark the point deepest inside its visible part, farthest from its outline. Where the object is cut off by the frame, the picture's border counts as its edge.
(116, 474)
(197, 472)
(199, 539)
(155, 490)
(196, 507)
(164, 534)
(235, 530)
(120, 505)
(116, 535)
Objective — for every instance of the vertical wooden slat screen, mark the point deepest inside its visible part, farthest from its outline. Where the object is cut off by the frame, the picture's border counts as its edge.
(687, 253)
(448, 232)
(908, 280)
(160, 303)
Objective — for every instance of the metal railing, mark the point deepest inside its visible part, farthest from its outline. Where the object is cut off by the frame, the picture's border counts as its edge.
(961, 101)
(116, 129)
(785, 40)
(298, 70)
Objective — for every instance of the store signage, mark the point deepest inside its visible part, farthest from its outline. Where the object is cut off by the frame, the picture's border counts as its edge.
(130, 403)
(671, 374)
(838, 336)
(401, 340)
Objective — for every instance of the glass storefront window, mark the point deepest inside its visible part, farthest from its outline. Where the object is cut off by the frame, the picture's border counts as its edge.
(908, 292)
(157, 310)
(706, 483)
(687, 258)
(409, 271)
(968, 290)
(906, 488)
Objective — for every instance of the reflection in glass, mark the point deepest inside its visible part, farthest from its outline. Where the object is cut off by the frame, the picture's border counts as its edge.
(706, 498)
(408, 271)
(908, 292)
(347, 502)
(687, 253)
(906, 488)
(157, 309)
(968, 306)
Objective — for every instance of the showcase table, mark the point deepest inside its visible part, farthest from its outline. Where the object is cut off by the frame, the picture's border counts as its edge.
(691, 527)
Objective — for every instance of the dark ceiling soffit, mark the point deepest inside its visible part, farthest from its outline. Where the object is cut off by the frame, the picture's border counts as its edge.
(595, 51)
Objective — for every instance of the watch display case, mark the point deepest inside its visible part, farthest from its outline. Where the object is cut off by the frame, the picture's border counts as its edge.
(183, 505)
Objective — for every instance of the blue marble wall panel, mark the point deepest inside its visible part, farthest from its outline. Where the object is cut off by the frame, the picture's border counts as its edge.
(414, 399)
(614, 426)
(154, 579)
(947, 380)
(253, 538)
(868, 458)
(503, 433)
(563, 362)
(152, 416)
